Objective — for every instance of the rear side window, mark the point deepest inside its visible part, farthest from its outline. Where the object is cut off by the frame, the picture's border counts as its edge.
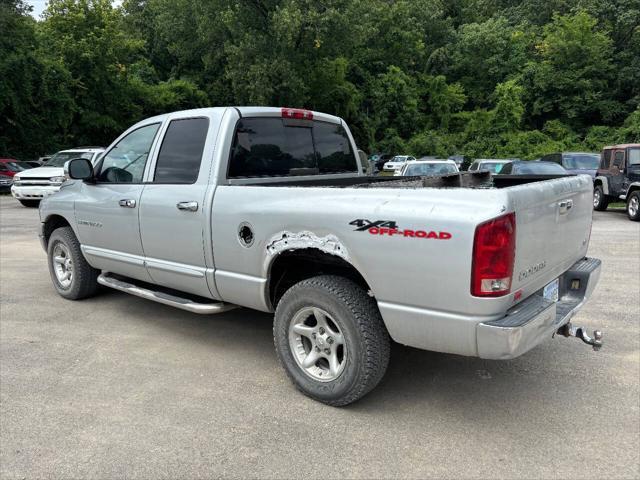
(267, 147)
(181, 151)
(606, 159)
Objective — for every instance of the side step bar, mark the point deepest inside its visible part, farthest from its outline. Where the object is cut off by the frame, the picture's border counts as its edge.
(165, 298)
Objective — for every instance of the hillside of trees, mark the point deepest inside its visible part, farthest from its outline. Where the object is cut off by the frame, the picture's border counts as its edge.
(483, 78)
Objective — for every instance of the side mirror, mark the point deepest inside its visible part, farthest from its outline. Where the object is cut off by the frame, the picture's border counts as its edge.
(79, 169)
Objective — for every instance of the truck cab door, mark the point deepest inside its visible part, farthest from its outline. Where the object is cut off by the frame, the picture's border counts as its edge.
(174, 207)
(616, 170)
(107, 211)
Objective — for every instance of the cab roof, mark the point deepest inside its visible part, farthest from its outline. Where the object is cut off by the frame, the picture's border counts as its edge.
(622, 145)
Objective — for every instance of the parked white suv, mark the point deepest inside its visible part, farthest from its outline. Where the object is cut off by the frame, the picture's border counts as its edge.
(31, 186)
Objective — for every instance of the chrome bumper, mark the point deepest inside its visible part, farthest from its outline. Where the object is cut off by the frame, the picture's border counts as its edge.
(537, 318)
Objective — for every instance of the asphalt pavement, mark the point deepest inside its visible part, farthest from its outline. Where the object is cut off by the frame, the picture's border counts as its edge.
(116, 386)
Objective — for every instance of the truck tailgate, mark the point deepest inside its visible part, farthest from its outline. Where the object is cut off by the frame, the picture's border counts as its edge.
(553, 224)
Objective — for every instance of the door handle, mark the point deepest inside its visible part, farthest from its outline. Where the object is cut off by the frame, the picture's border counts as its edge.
(565, 206)
(127, 203)
(188, 206)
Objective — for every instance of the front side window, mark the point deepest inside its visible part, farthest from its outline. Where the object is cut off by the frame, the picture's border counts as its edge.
(125, 162)
(634, 156)
(181, 151)
(268, 147)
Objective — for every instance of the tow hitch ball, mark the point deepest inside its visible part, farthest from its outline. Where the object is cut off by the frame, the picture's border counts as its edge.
(570, 330)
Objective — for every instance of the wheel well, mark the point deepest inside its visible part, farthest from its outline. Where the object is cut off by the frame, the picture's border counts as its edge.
(633, 188)
(294, 266)
(597, 182)
(51, 223)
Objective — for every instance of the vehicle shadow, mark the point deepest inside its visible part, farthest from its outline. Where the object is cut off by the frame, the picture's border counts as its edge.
(415, 378)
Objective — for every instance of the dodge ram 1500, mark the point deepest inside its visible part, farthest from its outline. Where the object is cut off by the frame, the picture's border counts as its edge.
(268, 208)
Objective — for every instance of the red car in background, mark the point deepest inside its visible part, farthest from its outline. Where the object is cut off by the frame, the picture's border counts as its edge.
(10, 166)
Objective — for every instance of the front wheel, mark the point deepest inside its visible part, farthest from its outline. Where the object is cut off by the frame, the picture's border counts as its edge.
(331, 340)
(30, 203)
(633, 206)
(600, 200)
(72, 276)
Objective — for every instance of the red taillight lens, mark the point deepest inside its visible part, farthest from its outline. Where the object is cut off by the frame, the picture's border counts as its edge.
(297, 113)
(494, 251)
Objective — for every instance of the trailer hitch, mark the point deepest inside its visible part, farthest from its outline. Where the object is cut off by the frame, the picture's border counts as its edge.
(570, 330)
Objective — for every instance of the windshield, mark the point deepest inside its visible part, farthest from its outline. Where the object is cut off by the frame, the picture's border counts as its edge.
(427, 169)
(538, 168)
(634, 156)
(13, 166)
(60, 158)
(493, 167)
(399, 159)
(581, 161)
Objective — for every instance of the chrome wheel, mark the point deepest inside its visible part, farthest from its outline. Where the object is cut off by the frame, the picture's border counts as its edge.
(596, 198)
(62, 265)
(317, 344)
(634, 206)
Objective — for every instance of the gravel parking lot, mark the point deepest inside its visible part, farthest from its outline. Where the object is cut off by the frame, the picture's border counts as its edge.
(117, 386)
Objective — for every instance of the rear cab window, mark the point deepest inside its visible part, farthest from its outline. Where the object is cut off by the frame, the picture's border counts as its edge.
(278, 147)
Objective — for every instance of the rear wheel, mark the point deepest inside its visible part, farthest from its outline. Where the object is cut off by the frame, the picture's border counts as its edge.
(330, 339)
(30, 203)
(633, 206)
(72, 276)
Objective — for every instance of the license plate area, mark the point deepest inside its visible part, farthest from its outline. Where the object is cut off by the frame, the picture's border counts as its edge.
(550, 291)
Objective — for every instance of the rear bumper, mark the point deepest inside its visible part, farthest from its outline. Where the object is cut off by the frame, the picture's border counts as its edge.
(537, 318)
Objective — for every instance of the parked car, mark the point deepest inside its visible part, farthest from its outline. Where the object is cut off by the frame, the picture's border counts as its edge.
(31, 186)
(397, 162)
(575, 162)
(229, 212)
(492, 165)
(5, 183)
(10, 166)
(618, 178)
(523, 167)
(382, 159)
(427, 168)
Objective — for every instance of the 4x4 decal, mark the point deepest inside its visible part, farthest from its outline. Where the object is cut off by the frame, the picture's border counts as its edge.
(390, 228)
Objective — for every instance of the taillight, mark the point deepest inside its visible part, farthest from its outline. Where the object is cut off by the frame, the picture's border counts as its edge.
(494, 251)
(297, 113)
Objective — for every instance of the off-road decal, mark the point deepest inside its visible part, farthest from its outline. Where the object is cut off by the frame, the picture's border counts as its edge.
(390, 228)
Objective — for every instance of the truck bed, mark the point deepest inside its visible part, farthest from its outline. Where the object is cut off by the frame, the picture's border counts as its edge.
(458, 180)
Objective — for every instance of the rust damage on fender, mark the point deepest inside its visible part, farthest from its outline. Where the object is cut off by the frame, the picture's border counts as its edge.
(293, 241)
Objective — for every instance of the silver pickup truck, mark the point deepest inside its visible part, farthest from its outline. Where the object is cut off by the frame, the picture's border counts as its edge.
(267, 208)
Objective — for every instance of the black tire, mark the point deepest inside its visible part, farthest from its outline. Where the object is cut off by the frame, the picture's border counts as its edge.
(633, 206)
(366, 340)
(30, 203)
(600, 200)
(84, 277)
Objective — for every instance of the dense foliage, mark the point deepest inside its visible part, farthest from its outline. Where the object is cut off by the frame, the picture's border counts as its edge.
(482, 78)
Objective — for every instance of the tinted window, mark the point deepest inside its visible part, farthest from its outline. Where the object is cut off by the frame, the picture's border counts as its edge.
(181, 151)
(618, 160)
(493, 167)
(265, 147)
(333, 148)
(606, 158)
(505, 169)
(538, 168)
(125, 162)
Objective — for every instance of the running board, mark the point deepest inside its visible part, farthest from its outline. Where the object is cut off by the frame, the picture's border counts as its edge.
(164, 298)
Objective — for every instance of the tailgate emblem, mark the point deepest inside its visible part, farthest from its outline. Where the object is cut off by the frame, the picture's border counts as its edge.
(531, 270)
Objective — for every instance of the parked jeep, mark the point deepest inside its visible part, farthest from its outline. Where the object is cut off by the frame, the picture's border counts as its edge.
(618, 178)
